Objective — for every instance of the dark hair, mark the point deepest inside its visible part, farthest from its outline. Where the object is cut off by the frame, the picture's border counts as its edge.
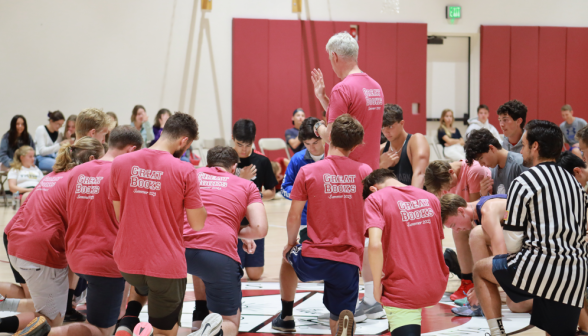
(567, 107)
(135, 110)
(437, 176)
(244, 131)
(306, 131)
(482, 106)
(296, 111)
(55, 115)
(515, 109)
(478, 143)
(122, 136)
(449, 205)
(376, 177)
(15, 141)
(549, 137)
(582, 135)
(569, 161)
(158, 116)
(346, 132)
(180, 125)
(392, 115)
(222, 156)
(382, 138)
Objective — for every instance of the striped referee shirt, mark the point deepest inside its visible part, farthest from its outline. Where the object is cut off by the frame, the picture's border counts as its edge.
(548, 205)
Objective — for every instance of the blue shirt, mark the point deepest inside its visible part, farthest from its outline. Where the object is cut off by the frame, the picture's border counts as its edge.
(292, 133)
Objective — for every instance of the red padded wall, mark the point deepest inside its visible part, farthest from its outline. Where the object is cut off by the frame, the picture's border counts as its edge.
(524, 64)
(577, 71)
(251, 72)
(380, 55)
(495, 69)
(411, 74)
(552, 72)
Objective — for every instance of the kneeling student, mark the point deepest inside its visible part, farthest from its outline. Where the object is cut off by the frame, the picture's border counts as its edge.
(394, 210)
(211, 253)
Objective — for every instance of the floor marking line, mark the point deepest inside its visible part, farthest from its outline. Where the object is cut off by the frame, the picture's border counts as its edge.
(268, 321)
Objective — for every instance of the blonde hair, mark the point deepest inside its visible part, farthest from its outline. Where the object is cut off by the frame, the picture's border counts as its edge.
(80, 152)
(449, 205)
(90, 119)
(437, 176)
(21, 151)
(446, 127)
(276, 168)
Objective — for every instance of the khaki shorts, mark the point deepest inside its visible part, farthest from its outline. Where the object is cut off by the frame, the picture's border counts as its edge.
(165, 298)
(48, 286)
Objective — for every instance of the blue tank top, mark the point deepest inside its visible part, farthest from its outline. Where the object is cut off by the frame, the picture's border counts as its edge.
(483, 200)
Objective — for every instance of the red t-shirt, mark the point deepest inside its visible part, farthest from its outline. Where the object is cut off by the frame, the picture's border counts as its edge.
(469, 179)
(38, 235)
(410, 219)
(153, 188)
(363, 98)
(333, 190)
(18, 213)
(225, 197)
(92, 229)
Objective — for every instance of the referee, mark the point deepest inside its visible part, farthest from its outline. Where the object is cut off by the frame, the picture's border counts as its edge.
(546, 217)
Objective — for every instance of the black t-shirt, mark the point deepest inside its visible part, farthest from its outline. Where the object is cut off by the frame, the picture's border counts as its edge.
(52, 135)
(265, 175)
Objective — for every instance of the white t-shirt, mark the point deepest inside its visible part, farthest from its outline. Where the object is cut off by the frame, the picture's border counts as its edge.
(26, 177)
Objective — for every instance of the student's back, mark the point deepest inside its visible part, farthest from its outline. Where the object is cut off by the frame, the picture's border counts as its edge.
(153, 188)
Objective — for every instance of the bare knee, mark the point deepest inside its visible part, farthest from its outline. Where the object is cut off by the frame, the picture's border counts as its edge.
(520, 307)
(254, 273)
(78, 329)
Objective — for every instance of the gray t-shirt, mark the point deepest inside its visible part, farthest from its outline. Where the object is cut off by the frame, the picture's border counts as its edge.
(504, 176)
(516, 148)
(570, 130)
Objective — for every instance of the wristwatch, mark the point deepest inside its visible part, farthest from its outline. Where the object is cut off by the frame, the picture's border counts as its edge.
(316, 127)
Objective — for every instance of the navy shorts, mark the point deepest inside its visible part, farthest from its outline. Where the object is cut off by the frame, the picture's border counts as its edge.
(17, 277)
(221, 276)
(104, 299)
(341, 280)
(252, 260)
(553, 317)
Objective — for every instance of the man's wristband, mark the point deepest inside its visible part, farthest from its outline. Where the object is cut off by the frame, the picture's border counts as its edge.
(316, 127)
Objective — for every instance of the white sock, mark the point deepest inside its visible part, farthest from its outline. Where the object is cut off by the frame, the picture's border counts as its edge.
(368, 296)
(496, 327)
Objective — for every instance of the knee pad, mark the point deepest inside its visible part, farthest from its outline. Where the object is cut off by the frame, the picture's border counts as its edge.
(168, 322)
(407, 330)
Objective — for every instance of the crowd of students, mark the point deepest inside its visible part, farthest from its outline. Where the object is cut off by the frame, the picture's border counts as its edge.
(135, 220)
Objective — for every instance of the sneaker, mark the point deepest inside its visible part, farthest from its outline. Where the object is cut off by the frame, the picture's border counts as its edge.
(284, 324)
(143, 329)
(461, 292)
(74, 316)
(451, 261)
(372, 312)
(212, 325)
(123, 331)
(468, 310)
(346, 324)
(461, 302)
(37, 327)
(126, 325)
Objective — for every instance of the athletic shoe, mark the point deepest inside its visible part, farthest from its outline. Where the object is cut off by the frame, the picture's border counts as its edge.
(143, 329)
(461, 302)
(74, 316)
(372, 312)
(346, 324)
(123, 331)
(212, 325)
(37, 327)
(468, 310)
(285, 324)
(451, 261)
(462, 291)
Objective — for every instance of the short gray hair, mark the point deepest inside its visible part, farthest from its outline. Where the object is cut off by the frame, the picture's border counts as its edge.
(344, 45)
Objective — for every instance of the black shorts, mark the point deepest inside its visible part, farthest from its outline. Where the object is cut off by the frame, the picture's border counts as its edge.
(553, 317)
(104, 299)
(17, 277)
(222, 277)
(252, 260)
(303, 235)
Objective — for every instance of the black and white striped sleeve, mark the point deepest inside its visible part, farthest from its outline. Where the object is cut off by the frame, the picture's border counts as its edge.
(517, 206)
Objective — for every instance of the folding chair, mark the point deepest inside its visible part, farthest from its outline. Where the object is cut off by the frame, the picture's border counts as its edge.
(273, 144)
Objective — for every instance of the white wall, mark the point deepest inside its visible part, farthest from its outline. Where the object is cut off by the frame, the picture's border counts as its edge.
(113, 54)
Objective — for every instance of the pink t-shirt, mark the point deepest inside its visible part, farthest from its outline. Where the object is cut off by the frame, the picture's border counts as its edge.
(333, 189)
(363, 98)
(39, 234)
(225, 197)
(153, 188)
(18, 213)
(468, 181)
(410, 219)
(92, 229)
